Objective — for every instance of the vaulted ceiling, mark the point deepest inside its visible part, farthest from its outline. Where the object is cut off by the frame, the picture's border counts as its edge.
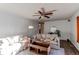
(27, 10)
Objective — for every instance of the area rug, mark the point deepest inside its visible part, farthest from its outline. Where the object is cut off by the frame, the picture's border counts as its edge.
(57, 51)
(26, 52)
(53, 52)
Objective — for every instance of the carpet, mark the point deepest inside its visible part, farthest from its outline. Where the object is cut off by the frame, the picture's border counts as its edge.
(60, 51)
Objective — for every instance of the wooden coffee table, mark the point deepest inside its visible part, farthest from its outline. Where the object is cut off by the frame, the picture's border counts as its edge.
(40, 47)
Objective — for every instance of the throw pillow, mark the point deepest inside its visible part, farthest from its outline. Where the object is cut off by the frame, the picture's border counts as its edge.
(16, 39)
(4, 41)
(1, 42)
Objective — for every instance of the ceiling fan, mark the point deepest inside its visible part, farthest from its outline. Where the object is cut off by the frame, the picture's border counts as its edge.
(42, 13)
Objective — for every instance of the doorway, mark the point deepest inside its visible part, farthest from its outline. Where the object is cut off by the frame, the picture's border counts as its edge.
(77, 28)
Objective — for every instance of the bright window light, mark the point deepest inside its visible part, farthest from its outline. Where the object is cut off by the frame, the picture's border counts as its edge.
(53, 29)
(30, 27)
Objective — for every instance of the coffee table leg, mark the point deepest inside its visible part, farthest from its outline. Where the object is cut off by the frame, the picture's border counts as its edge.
(38, 51)
(48, 51)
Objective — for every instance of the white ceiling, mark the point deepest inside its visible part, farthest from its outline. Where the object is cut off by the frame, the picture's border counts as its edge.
(27, 10)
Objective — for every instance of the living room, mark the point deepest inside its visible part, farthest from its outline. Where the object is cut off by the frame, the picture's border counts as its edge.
(20, 23)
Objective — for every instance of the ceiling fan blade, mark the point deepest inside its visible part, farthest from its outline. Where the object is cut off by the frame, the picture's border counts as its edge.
(51, 11)
(48, 13)
(47, 16)
(40, 17)
(36, 15)
(40, 12)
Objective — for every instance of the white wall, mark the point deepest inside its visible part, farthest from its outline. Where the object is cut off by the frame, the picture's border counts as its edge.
(74, 30)
(62, 25)
(11, 24)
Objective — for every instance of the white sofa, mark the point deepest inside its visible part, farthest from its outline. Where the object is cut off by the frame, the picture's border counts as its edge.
(12, 45)
(53, 39)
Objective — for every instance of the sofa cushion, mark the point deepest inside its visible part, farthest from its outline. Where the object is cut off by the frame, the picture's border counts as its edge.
(4, 42)
(1, 42)
(37, 36)
(47, 40)
(47, 35)
(16, 38)
(43, 36)
(13, 39)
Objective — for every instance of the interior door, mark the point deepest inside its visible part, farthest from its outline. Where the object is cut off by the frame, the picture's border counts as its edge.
(77, 28)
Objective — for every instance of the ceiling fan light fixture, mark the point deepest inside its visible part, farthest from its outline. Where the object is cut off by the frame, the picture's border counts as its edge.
(43, 14)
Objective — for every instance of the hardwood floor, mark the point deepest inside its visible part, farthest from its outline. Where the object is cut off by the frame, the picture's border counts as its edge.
(69, 48)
